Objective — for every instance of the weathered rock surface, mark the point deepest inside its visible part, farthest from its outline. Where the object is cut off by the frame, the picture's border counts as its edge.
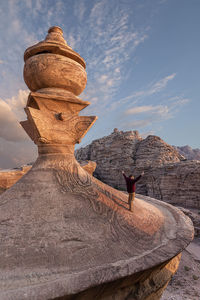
(112, 154)
(195, 217)
(147, 285)
(77, 237)
(188, 152)
(177, 183)
(88, 166)
(154, 152)
(10, 177)
(168, 175)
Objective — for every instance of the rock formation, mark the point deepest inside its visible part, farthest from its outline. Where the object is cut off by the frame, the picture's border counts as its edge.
(168, 175)
(188, 152)
(175, 183)
(10, 177)
(64, 234)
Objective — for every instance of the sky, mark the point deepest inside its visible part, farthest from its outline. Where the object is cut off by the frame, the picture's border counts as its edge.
(142, 62)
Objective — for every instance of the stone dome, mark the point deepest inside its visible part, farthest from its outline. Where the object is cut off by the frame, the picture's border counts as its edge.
(53, 64)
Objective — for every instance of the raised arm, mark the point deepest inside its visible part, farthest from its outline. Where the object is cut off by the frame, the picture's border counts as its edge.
(124, 175)
(139, 177)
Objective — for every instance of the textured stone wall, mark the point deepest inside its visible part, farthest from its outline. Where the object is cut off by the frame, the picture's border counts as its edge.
(112, 154)
(175, 183)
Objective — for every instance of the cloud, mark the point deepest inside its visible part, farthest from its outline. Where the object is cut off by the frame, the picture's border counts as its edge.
(16, 154)
(139, 123)
(10, 129)
(110, 39)
(149, 114)
(11, 112)
(18, 102)
(159, 110)
(160, 85)
(16, 148)
(151, 89)
(147, 133)
(79, 9)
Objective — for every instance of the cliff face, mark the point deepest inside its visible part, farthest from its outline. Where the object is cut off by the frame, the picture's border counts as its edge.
(168, 175)
(112, 154)
(154, 152)
(176, 183)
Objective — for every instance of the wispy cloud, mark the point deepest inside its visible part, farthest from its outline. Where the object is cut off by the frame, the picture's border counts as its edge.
(79, 9)
(160, 85)
(159, 110)
(108, 41)
(149, 114)
(151, 89)
(10, 128)
(139, 123)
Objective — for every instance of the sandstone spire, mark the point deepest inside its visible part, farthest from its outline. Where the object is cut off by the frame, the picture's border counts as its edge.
(55, 74)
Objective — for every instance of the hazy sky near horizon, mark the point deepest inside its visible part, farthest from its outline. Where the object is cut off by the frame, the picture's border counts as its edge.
(142, 63)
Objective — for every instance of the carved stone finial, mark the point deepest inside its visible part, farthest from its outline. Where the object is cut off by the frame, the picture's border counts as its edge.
(55, 74)
(55, 29)
(55, 35)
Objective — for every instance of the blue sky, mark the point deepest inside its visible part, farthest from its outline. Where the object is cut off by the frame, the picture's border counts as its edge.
(142, 61)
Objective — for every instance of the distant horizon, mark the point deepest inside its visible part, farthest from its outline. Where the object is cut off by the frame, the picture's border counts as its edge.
(142, 61)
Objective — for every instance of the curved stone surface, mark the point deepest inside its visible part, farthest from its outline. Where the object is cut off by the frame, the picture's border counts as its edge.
(88, 166)
(53, 70)
(53, 64)
(146, 285)
(70, 232)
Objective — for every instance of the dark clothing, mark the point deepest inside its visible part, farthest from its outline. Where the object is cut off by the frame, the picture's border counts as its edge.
(130, 183)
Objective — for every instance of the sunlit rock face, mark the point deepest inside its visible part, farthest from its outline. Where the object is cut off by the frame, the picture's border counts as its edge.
(65, 234)
(168, 175)
(10, 177)
(53, 64)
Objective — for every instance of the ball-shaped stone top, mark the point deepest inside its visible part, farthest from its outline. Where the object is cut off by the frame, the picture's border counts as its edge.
(53, 64)
(56, 29)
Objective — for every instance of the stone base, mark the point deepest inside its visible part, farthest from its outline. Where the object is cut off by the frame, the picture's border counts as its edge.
(147, 285)
(66, 235)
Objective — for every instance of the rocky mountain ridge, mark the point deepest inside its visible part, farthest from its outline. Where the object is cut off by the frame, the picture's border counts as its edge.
(188, 152)
(169, 176)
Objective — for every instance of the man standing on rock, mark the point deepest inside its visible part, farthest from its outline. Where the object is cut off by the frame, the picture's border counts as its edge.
(131, 187)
